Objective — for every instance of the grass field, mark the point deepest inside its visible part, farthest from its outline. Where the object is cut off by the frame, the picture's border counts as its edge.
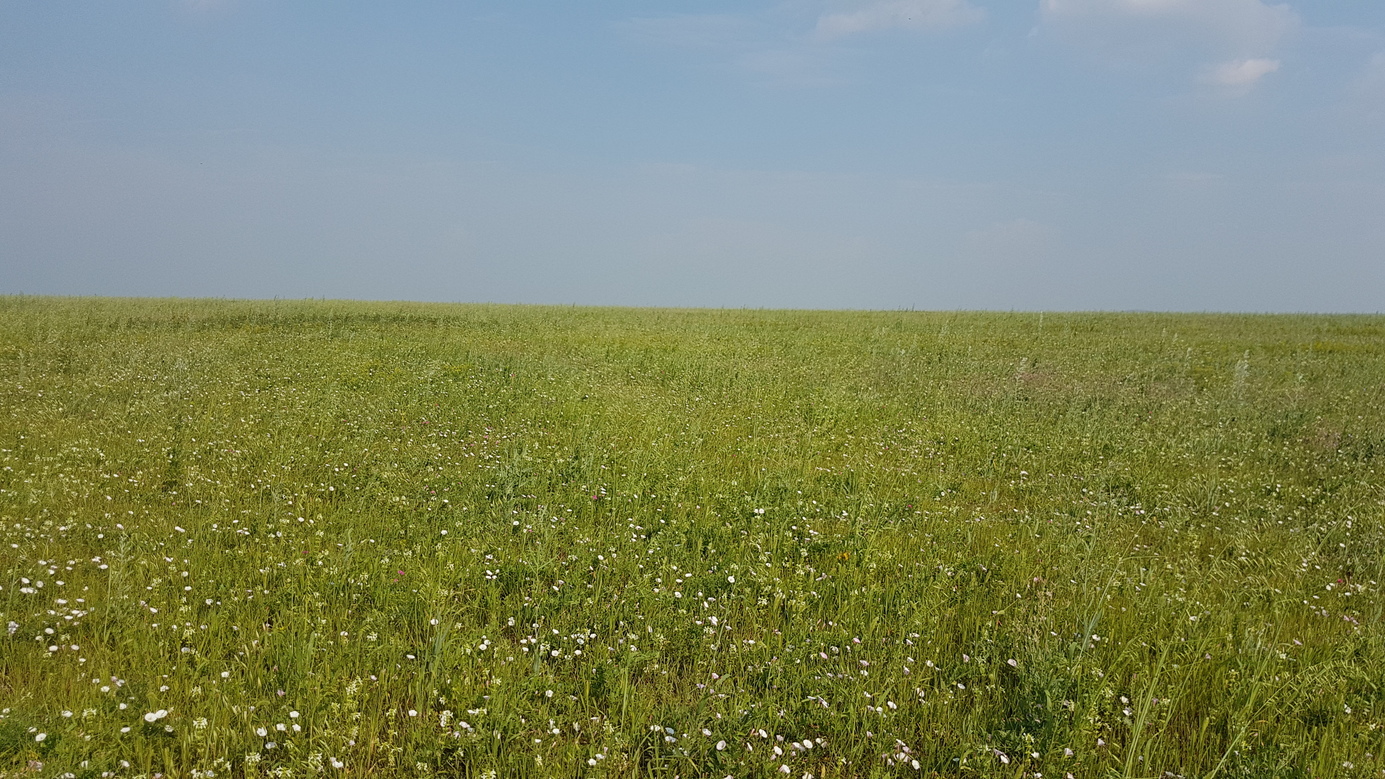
(349, 539)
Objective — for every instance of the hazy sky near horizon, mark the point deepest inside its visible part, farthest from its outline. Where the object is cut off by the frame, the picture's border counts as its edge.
(935, 154)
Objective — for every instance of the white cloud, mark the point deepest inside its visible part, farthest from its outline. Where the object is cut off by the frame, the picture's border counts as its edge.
(1240, 73)
(1240, 36)
(898, 14)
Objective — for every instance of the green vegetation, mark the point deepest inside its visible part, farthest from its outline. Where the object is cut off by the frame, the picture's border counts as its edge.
(252, 539)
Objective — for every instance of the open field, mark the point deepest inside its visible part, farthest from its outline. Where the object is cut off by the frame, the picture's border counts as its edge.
(302, 538)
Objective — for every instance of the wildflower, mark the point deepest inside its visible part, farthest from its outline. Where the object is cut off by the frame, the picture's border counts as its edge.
(155, 716)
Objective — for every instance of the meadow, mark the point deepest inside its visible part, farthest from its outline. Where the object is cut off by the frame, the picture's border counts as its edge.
(303, 538)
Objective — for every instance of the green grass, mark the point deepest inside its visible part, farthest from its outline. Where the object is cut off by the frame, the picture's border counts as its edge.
(488, 541)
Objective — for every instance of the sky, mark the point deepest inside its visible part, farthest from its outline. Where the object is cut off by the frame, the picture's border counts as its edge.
(1190, 155)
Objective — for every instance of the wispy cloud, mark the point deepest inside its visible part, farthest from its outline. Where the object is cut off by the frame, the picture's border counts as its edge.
(1240, 73)
(798, 42)
(897, 14)
(1246, 26)
(1235, 40)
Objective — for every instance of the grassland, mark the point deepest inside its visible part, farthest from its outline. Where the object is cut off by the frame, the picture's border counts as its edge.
(245, 539)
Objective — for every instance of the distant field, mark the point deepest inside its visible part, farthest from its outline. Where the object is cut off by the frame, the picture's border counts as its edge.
(244, 539)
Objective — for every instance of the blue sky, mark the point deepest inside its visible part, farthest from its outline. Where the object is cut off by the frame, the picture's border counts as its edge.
(934, 154)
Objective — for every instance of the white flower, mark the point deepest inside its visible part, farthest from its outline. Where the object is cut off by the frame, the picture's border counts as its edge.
(721, 745)
(155, 716)
(40, 736)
